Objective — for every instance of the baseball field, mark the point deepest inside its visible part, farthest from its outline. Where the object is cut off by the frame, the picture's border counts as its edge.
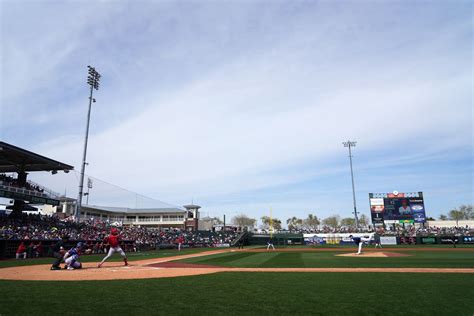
(300, 281)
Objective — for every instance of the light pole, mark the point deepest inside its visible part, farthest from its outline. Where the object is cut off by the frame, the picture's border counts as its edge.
(350, 144)
(93, 81)
(89, 186)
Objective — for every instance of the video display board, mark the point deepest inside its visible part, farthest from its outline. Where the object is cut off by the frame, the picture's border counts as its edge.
(391, 208)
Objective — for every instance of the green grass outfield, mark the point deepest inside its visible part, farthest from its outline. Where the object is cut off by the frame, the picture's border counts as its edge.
(252, 293)
(328, 259)
(247, 294)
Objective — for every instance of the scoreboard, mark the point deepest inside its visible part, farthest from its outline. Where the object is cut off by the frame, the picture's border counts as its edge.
(397, 208)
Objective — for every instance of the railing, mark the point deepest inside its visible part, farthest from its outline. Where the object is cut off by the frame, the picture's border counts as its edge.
(133, 220)
(158, 222)
(45, 189)
(46, 193)
(23, 191)
(240, 236)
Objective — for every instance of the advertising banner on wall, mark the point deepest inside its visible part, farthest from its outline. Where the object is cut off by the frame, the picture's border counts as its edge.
(428, 240)
(468, 240)
(388, 240)
(336, 238)
(224, 245)
(313, 239)
(408, 240)
(449, 239)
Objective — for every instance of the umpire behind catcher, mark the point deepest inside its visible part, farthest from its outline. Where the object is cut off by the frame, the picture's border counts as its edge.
(58, 253)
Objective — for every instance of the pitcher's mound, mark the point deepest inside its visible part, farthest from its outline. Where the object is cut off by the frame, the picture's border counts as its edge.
(374, 254)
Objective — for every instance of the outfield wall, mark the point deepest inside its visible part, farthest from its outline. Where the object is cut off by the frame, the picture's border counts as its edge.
(333, 239)
(278, 239)
(341, 239)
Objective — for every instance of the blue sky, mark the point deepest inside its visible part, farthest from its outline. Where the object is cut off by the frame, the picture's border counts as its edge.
(243, 105)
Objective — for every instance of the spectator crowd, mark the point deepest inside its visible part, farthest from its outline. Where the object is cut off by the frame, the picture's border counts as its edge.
(10, 181)
(32, 230)
(398, 230)
(412, 231)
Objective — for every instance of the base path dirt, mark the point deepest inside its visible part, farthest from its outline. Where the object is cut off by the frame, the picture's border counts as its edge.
(163, 268)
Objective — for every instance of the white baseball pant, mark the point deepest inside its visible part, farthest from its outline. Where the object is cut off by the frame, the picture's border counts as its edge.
(112, 250)
(72, 262)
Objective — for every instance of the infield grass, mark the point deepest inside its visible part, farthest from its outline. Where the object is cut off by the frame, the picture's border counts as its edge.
(234, 293)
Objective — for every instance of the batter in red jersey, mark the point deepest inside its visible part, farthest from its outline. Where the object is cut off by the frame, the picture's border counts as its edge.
(180, 241)
(114, 242)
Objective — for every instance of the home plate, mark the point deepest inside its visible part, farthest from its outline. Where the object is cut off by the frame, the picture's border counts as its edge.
(374, 254)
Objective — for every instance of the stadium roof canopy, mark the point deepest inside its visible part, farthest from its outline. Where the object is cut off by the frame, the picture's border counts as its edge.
(192, 206)
(15, 159)
(121, 210)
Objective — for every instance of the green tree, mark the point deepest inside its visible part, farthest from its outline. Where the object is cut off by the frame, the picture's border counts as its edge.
(211, 220)
(276, 224)
(331, 221)
(294, 223)
(267, 222)
(443, 217)
(467, 210)
(217, 221)
(456, 215)
(348, 222)
(243, 220)
(312, 222)
(363, 220)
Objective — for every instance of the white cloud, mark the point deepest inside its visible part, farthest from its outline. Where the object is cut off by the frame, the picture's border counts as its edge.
(215, 136)
(248, 101)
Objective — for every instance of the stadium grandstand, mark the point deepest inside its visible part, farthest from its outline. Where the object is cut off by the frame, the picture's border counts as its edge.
(23, 192)
(110, 202)
(33, 214)
(185, 218)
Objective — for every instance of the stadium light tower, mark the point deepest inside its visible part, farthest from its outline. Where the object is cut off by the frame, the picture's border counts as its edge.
(93, 81)
(351, 144)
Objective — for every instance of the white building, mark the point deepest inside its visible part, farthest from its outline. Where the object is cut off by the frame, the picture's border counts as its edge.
(183, 218)
(461, 223)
